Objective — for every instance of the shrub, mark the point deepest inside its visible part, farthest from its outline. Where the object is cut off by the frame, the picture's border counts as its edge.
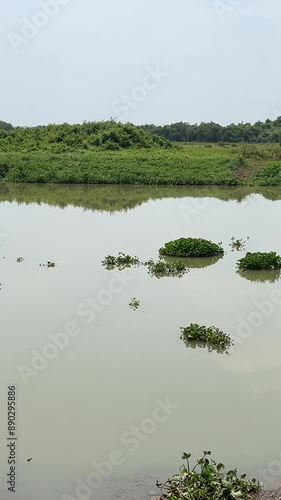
(260, 261)
(191, 247)
(210, 336)
(208, 480)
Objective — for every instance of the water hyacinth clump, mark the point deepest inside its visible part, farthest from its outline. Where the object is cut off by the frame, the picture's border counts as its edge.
(260, 261)
(120, 262)
(238, 244)
(134, 304)
(191, 247)
(162, 268)
(211, 336)
(208, 480)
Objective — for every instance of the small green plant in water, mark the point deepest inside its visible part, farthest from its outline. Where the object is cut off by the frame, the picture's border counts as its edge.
(134, 303)
(260, 261)
(120, 262)
(19, 259)
(161, 268)
(208, 336)
(208, 480)
(238, 244)
(191, 247)
(48, 265)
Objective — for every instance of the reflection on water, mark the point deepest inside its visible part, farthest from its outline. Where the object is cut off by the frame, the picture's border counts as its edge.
(194, 344)
(195, 262)
(271, 276)
(97, 387)
(112, 198)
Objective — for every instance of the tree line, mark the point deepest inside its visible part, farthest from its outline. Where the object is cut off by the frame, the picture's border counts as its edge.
(259, 132)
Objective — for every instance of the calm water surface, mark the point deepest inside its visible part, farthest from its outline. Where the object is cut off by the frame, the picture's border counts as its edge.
(82, 406)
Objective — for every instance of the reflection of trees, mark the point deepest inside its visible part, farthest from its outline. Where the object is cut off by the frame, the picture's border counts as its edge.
(112, 198)
(261, 276)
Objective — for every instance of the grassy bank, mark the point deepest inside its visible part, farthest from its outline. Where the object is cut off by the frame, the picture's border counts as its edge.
(192, 164)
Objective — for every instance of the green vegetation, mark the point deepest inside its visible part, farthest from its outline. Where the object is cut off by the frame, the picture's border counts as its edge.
(260, 132)
(162, 268)
(108, 135)
(134, 303)
(112, 153)
(48, 265)
(5, 125)
(260, 261)
(172, 167)
(208, 480)
(191, 247)
(238, 244)
(210, 337)
(120, 262)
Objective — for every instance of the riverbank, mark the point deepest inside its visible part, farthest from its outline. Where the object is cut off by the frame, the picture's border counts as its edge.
(192, 164)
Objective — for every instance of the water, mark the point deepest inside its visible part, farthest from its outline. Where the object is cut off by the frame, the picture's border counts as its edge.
(122, 365)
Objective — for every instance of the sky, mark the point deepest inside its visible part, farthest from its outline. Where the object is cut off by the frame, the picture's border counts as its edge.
(140, 61)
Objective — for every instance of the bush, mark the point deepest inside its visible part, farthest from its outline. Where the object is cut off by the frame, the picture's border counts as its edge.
(211, 336)
(260, 261)
(211, 481)
(191, 247)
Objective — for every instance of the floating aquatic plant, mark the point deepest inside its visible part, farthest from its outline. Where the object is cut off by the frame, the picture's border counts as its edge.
(206, 336)
(260, 261)
(134, 303)
(191, 247)
(120, 262)
(207, 480)
(162, 268)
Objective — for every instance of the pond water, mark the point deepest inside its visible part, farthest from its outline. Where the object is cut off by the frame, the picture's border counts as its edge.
(120, 385)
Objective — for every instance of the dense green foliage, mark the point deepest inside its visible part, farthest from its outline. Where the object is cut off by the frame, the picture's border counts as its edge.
(112, 153)
(5, 126)
(191, 247)
(208, 480)
(211, 337)
(260, 261)
(259, 132)
(118, 167)
(64, 138)
(270, 175)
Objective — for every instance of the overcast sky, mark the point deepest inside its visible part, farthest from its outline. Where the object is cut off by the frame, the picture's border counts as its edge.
(142, 61)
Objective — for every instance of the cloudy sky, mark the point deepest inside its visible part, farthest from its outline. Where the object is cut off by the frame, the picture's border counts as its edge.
(142, 61)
